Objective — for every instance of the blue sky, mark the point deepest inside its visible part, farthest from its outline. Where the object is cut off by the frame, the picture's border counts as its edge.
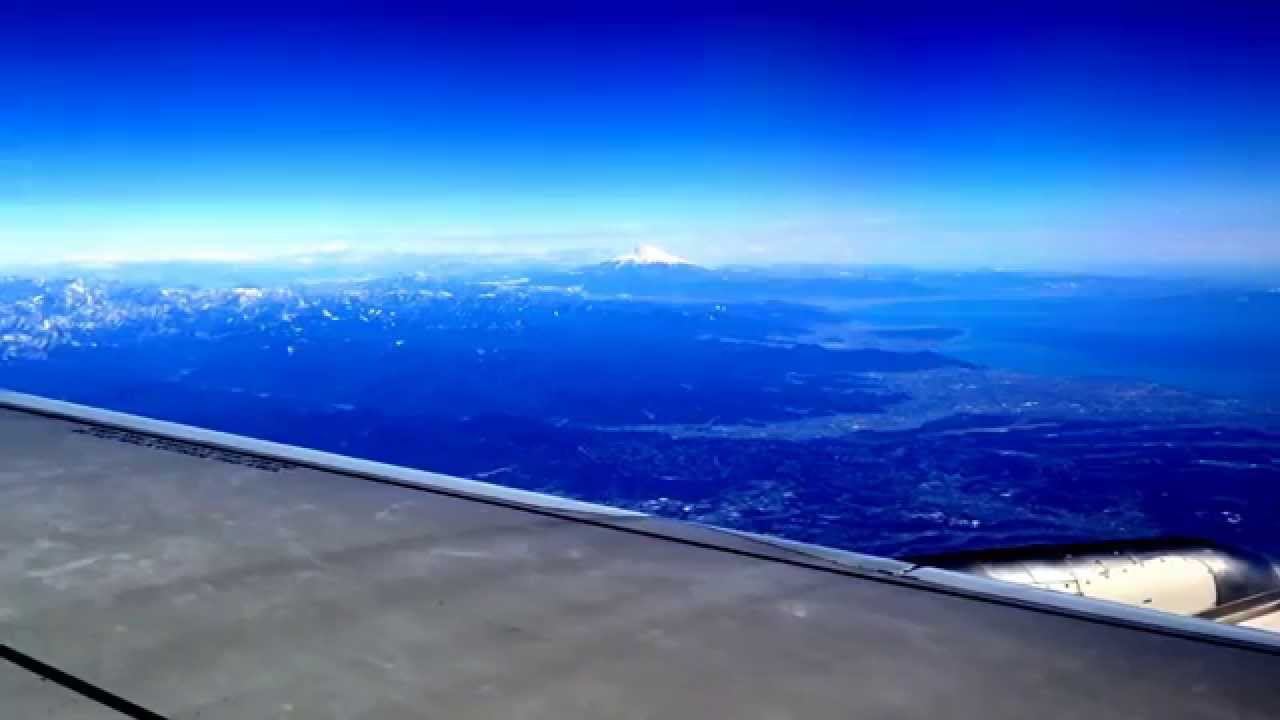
(1082, 137)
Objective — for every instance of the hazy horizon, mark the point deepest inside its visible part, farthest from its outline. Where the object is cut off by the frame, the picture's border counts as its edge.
(392, 260)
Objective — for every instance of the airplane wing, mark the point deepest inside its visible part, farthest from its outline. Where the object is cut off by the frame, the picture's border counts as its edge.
(155, 570)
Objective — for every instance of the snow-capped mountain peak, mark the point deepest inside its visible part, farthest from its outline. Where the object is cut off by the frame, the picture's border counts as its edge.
(650, 255)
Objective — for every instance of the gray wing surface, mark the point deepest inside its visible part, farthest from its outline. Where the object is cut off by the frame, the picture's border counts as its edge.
(151, 570)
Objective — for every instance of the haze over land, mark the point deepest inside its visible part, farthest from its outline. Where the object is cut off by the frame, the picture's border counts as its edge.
(887, 410)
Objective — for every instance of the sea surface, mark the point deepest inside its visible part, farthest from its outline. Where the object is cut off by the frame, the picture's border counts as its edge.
(1219, 343)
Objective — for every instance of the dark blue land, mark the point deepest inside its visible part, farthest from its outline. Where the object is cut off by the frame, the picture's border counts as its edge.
(726, 397)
